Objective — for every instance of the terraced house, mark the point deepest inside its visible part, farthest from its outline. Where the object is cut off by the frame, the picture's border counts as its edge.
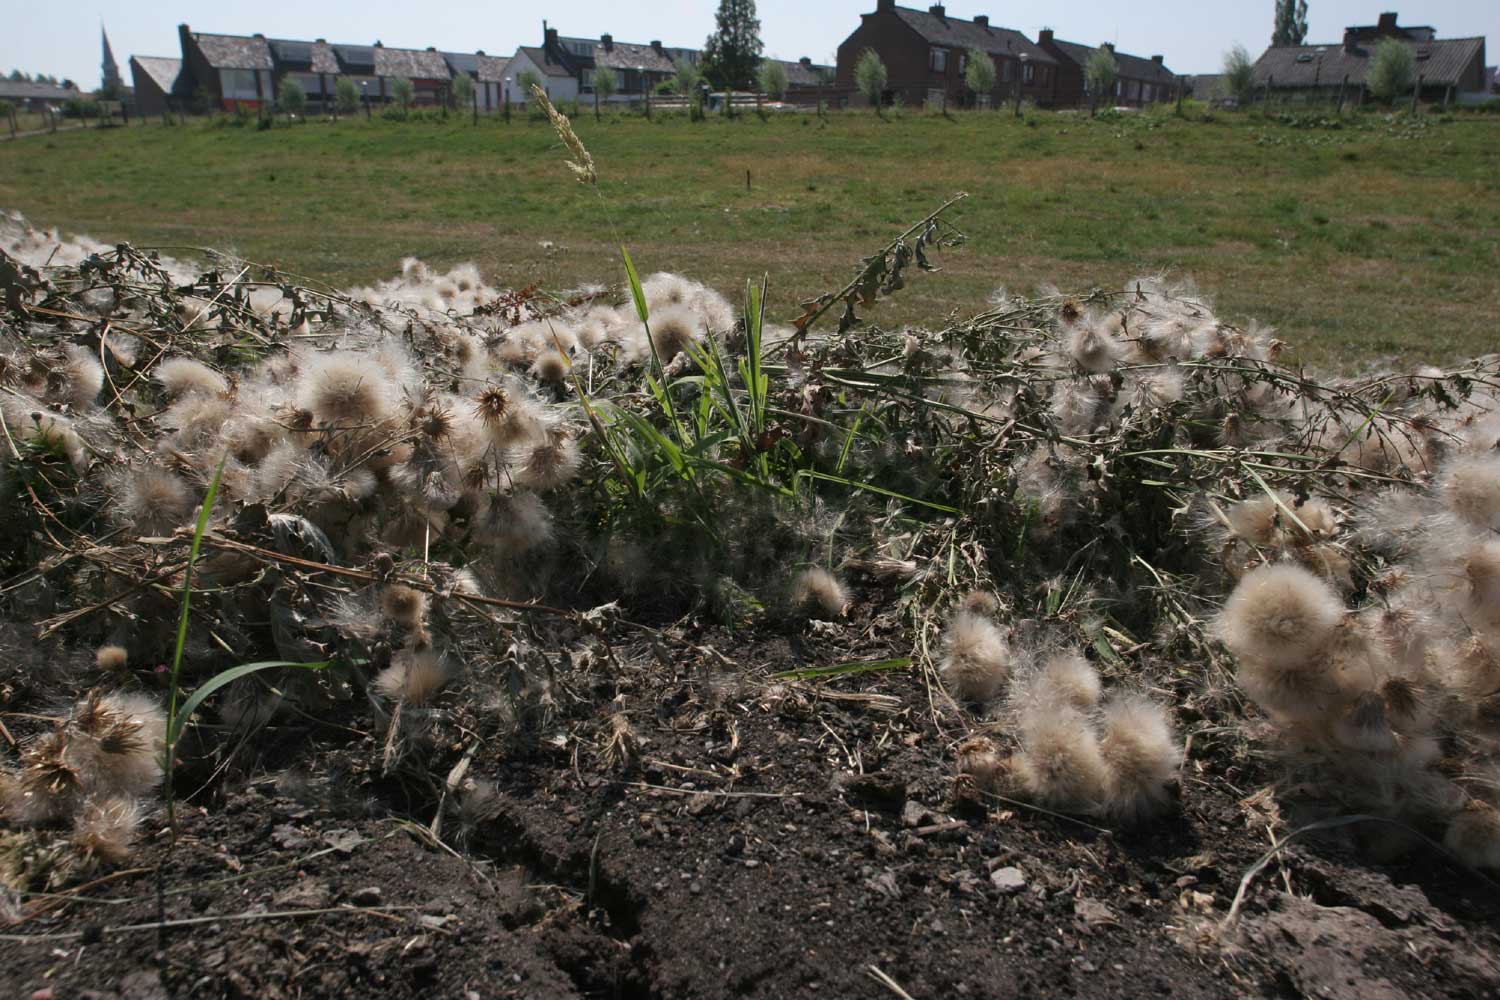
(1448, 68)
(1140, 81)
(926, 51)
(247, 71)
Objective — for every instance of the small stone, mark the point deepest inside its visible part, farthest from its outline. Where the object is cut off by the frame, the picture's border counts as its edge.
(1008, 879)
(368, 896)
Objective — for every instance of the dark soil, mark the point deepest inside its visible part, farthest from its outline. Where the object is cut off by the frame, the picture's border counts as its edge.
(746, 837)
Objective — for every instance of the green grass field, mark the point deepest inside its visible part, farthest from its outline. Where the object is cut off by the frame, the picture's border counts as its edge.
(1375, 241)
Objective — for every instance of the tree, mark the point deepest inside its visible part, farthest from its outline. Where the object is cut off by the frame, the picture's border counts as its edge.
(1100, 75)
(1393, 70)
(462, 91)
(1239, 75)
(17, 76)
(1291, 22)
(403, 91)
(731, 55)
(346, 96)
(979, 73)
(869, 78)
(772, 79)
(293, 99)
(604, 85)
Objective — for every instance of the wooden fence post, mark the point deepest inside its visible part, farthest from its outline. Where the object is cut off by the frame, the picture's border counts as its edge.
(1416, 94)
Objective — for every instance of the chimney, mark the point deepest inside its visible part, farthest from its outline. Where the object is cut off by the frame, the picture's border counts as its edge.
(881, 5)
(379, 44)
(656, 46)
(1157, 60)
(1387, 22)
(805, 61)
(938, 10)
(257, 35)
(983, 20)
(479, 52)
(1108, 47)
(1351, 40)
(432, 48)
(608, 41)
(550, 38)
(1044, 36)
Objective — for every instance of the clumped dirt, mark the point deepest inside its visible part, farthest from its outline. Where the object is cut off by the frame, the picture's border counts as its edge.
(737, 835)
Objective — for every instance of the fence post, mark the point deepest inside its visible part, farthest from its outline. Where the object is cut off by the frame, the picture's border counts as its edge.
(1181, 88)
(475, 98)
(1447, 96)
(1416, 94)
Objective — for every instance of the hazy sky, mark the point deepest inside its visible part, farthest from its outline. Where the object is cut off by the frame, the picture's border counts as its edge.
(63, 38)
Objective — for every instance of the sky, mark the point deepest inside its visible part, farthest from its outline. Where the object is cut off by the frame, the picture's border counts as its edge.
(63, 38)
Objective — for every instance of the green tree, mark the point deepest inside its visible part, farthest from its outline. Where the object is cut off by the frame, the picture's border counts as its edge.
(403, 91)
(529, 78)
(293, 99)
(772, 79)
(1239, 75)
(731, 55)
(1291, 22)
(462, 91)
(869, 77)
(1393, 70)
(979, 73)
(346, 96)
(1100, 74)
(603, 81)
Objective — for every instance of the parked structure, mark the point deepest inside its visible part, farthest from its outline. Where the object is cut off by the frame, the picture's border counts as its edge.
(1140, 81)
(925, 55)
(1449, 68)
(25, 95)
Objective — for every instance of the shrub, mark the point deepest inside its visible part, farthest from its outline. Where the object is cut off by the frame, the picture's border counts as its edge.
(1100, 74)
(772, 79)
(1393, 70)
(870, 76)
(346, 96)
(293, 99)
(403, 92)
(979, 73)
(1238, 80)
(461, 94)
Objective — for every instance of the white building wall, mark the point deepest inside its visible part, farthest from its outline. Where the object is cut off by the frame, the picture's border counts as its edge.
(558, 88)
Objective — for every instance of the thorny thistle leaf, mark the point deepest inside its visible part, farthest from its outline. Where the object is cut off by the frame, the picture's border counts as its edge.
(582, 164)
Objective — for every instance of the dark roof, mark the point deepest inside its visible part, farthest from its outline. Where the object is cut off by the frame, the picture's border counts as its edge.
(627, 55)
(492, 69)
(1131, 67)
(358, 59)
(960, 34)
(549, 67)
(161, 70)
(799, 74)
(316, 57)
(234, 51)
(25, 90)
(1441, 62)
(421, 64)
(1204, 86)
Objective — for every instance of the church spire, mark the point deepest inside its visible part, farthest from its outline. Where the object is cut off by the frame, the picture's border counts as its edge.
(112, 79)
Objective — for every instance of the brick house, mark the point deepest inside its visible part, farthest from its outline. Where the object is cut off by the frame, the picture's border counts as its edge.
(1140, 81)
(925, 55)
(487, 72)
(314, 65)
(1447, 67)
(230, 71)
(154, 79)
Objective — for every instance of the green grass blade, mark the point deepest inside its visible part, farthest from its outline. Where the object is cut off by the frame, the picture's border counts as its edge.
(845, 669)
(872, 488)
(176, 723)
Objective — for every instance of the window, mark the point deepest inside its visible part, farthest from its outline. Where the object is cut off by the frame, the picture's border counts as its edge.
(937, 60)
(1030, 73)
(1008, 73)
(238, 84)
(963, 62)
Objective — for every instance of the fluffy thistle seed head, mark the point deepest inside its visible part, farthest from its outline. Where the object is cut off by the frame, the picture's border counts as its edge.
(1093, 350)
(976, 660)
(106, 828)
(815, 591)
(186, 376)
(1142, 754)
(1060, 765)
(1470, 487)
(414, 676)
(1474, 835)
(672, 330)
(111, 658)
(1068, 679)
(403, 605)
(1281, 614)
(346, 388)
